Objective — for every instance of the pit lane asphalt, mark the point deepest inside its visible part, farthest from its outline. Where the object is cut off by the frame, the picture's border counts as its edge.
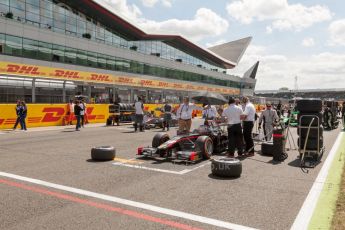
(266, 196)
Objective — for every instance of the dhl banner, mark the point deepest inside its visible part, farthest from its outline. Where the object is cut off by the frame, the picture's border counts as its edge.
(63, 74)
(40, 115)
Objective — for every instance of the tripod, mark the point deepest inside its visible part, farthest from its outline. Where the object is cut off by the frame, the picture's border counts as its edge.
(288, 133)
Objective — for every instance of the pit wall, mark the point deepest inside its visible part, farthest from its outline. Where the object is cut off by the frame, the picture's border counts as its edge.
(42, 115)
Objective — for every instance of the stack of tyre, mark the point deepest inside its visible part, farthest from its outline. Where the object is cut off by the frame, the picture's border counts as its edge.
(310, 115)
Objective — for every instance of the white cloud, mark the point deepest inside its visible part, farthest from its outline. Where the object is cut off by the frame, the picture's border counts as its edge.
(324, 70)
(337, 32)
(130, 12)
(152, 3)
(284, 16)
(308, 42)
(206, 23)
(269, 29)
(219, 42)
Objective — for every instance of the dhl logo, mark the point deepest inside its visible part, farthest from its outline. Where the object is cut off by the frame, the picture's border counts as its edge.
(146, 82)
(100, 77)
(24, 69)
(163, 84)
(125, 80)
(65, 74)
(51, 114)
(179, 86)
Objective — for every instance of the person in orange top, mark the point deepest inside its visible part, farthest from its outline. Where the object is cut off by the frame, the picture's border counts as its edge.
(70, 112)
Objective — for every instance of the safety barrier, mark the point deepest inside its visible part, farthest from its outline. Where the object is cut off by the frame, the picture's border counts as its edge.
(41, 115)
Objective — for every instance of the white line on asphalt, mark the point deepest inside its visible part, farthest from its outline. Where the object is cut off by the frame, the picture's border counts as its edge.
(306, 212)
(169, 212)
(182, 172)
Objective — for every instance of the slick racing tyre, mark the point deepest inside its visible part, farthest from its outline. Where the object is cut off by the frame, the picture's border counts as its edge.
(311, 143)
(307, 117)
(204, 144)
(226, 167)
(267, 148)
(103, 153)
(313, 133)
(309, 105)
(159, 139)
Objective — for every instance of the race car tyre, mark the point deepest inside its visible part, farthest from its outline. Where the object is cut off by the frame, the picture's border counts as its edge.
(204, 144)
(103, 153)
(226, 167)
(309, 105)
(159, 139)
(307, 119)
(311, 143)
(267, 148)
(313, 133)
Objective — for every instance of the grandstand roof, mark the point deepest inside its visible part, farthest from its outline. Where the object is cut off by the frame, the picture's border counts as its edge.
(107, 16)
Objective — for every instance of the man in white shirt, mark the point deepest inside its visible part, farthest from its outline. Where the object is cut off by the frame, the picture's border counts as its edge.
(233, 114)
(184, 115)
(209, 113)
(248, 124)
(139, 115)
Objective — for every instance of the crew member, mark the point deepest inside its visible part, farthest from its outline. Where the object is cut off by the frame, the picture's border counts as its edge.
(167, 110)
(233, 115)
(209, 113)
(139, 115)
(343, 114)
(184, 115)
(328, 117)
(248, 118)
(269, 116)
(17, 108)
(77, 112)
(279, 109)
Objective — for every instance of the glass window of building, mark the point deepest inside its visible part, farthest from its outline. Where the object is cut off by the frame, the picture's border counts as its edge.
(70, 55)
(92, 59)
(101, 61)
(32, 12)
(58, 53)
(111, 63)
(30, 48)
(82, 57)
(4, 6)
(81, 26)
(2, 43)
(45, 51)
(13, 45)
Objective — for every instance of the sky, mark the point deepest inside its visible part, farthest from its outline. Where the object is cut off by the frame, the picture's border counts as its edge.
(291, 38)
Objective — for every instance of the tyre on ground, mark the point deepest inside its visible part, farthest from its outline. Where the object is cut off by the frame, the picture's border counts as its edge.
(267, 148)
(159, 139)
(226, 167)
(204, 144)
(103, 153)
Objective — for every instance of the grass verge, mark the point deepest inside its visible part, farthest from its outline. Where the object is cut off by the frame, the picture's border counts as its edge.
(338, 221)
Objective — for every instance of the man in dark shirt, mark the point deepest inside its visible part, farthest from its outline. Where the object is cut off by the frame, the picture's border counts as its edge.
(343, 115)
(17, 109)
(77, 113)
(167, 109)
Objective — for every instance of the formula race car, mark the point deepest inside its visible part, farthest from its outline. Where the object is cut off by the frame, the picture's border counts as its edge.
(189, 148)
